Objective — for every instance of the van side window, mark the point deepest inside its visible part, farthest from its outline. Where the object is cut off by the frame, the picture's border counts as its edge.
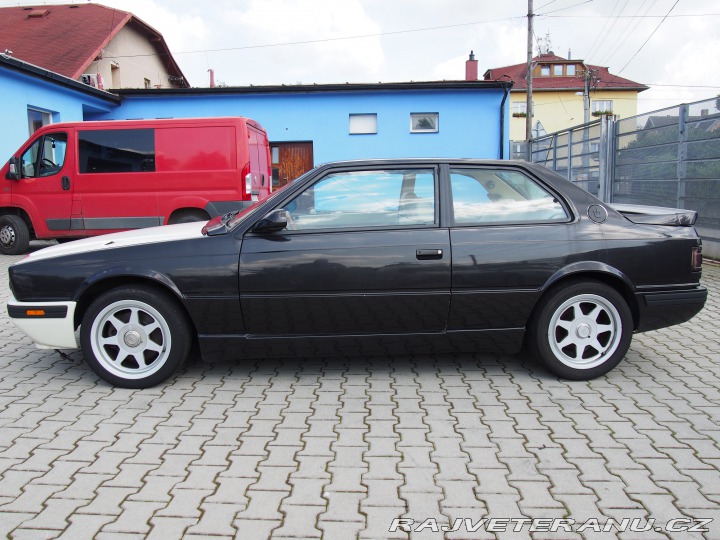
(117, 150)
(45, 156)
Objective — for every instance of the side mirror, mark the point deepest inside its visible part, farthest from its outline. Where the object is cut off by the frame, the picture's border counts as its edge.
(14, 170)
(277, 220)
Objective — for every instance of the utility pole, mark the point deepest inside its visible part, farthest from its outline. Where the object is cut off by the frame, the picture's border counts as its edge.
(528, 79)
(586, 95)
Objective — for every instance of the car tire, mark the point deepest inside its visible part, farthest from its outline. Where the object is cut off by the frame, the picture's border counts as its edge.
(14, 235)
(188, 216)
(581, 330)
(135, 336)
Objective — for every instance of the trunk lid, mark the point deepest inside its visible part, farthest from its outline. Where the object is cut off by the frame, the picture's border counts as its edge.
(657, 215)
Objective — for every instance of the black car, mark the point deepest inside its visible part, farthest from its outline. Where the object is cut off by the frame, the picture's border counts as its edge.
(373, 257)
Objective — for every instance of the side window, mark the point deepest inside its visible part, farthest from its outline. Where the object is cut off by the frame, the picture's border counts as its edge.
(29, 160)
(117, 150)
(362, 199)
(487, 196)
(45, 157)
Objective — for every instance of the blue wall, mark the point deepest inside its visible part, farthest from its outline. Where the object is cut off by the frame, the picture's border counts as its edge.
(469, 119)
(20, 92)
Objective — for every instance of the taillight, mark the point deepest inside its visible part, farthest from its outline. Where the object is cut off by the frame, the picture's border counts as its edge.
(697, 258)
(247, 178)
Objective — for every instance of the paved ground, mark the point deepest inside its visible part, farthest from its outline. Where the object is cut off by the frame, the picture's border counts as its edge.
(338, 448)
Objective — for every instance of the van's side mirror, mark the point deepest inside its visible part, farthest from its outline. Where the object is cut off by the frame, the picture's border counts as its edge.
(13, 169)
(277, 220)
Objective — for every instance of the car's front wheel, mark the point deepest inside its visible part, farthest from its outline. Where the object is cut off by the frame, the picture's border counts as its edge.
(582, 330)
(135, 336)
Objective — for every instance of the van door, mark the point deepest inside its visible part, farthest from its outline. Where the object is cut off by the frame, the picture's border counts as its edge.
(45, 189)
(259, 166)
(116, 186)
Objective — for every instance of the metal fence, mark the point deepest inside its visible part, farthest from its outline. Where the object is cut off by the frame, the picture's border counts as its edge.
(669, 157)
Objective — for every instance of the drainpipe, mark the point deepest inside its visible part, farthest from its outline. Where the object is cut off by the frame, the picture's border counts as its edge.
(506, 90)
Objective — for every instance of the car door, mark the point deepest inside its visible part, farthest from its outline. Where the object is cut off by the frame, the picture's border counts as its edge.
(509, 235)
(363, 254)
(45, 188)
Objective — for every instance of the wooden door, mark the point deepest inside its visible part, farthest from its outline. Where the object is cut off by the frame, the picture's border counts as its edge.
(290, 160)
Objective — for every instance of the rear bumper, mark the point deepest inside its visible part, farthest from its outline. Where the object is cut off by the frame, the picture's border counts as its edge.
(660, 309)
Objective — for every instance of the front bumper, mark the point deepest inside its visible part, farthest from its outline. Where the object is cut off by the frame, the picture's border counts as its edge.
(660, 309)
(49, 324)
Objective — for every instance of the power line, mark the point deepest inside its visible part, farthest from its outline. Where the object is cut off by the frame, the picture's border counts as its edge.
(360, 36)
(341, 38)
(650, 36)
(628, 31)
(602, 32)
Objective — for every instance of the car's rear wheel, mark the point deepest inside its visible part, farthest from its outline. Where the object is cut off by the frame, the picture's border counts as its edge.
(14, 235)
(582, 330)
(135, 336)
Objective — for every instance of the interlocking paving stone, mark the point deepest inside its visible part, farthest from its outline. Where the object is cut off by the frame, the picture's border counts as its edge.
(339, 447)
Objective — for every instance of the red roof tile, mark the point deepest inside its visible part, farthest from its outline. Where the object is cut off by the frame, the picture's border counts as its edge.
(518, 73)
(67, 38)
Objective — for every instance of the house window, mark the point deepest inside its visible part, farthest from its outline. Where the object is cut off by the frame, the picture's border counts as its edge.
(519, 109)
(424, 123)
(570, 69)
(37, 119)
(115, 75)
(363, 124)
(557, 70)
(601, 106)
(545, 71)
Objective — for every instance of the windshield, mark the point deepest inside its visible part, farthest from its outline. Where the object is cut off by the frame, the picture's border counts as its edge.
(252, 209)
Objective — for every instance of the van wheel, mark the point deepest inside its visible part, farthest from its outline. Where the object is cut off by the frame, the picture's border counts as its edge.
(582, 330)
(14, 235)
(135, 336)
(188, 216)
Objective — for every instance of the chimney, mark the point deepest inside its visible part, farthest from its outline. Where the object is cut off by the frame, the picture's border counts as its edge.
(569, 54)
(212, 78)
(471, 68)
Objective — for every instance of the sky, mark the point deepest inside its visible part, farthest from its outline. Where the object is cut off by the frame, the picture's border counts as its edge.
(670, 45)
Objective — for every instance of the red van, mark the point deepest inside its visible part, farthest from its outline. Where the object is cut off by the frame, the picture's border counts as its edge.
(72, 180)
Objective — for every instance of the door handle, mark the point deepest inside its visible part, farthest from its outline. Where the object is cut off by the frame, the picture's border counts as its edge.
(428, 254)
(65, 183)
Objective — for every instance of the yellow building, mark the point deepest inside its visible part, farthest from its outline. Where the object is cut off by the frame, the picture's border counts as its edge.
(559, 87)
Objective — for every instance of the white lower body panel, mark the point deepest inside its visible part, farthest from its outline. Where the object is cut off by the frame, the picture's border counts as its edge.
(47, 332)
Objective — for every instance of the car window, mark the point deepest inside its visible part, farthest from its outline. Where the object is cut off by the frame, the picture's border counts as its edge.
(486, 196)
(45, 157)
(361, 199)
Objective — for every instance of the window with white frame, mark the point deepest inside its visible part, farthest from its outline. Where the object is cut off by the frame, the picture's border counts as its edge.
(557, 70)
(37, 119)
(519, 108)
(363, 124)
(570, 70)
(601, 106)
(545, 71)
(424, 123)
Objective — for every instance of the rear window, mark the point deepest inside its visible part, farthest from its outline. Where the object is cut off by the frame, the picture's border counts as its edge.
(117, 150)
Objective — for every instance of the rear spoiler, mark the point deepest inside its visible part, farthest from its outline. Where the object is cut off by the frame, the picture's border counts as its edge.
(657, 215)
